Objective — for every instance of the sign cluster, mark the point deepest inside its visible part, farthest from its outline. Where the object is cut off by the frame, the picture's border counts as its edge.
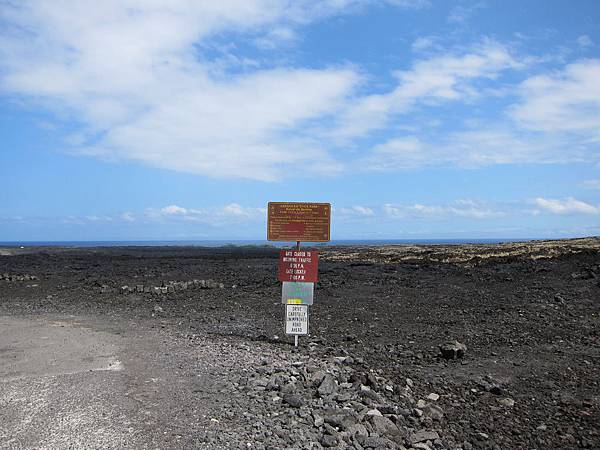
(297, 295)
(298, 268)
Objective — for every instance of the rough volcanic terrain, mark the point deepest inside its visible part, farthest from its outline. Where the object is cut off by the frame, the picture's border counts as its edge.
(424, 347)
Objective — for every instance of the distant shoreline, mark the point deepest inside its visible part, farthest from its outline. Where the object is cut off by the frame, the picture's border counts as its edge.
(262, 243)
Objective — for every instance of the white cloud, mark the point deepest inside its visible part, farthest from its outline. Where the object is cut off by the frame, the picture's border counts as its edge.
(99, 219)
(474, 148)
(462, 13)
(128, 70)
(398, 153)
(231, 213)
(363, 210)
(134, 73)
(73, 220)
(128, 216)
(592, 184)
(174, 210)
(423, 43)
(569, 205)
(462, 208)
(276, 37)
(357, 211)
(584, 40)
(236, 210)
(442, 78)
(566, 101)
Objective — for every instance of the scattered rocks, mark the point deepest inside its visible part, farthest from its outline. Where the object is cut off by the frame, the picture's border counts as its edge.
(453, 350)
(542, 320)
(489, 384)
(584, 275)
(374, 441)
(339, 405)
(8, 277)
(172, 287)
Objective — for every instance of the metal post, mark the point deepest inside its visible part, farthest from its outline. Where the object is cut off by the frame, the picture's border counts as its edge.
(296, 336)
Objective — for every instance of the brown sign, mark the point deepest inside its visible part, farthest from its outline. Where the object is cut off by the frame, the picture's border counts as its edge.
(298, 266)
(306, 222)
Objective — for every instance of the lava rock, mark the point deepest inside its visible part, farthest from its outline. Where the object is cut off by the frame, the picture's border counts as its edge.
(294, 400)
(434, 397)
(369, 393)
(423, 435)
(342, 418)
(453, 350)
(327, 386)
(383, 425)
(357, 430)
(433, 411)
(508, 402)
(328, 440)
(374, 441)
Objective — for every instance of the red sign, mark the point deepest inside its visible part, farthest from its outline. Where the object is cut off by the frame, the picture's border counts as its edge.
(306, 222)
(298, 265)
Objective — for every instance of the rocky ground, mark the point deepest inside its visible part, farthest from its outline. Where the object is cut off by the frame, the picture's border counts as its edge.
(494, 346)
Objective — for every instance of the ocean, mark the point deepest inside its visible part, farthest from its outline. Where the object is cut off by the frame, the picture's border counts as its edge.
(240, 243)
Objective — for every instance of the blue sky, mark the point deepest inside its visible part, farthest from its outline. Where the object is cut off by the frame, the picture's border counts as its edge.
(150, 119)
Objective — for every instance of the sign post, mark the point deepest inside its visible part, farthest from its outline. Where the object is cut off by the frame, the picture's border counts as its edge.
(298, 221)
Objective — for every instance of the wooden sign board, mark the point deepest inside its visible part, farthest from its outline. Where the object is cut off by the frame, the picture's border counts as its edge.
(298, 265)
(305, 222)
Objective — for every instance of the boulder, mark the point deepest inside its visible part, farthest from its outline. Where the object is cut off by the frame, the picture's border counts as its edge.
(327, 386)
(342, 418)
(423, 435)
(294, 400)
(383, 425)
(433, 411)
(453, 350)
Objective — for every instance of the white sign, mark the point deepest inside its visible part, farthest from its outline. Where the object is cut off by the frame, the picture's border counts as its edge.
(296, 320)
